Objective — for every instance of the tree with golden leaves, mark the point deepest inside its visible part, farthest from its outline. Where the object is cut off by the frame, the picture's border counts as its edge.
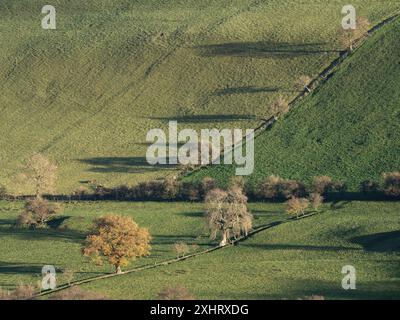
(116, 239)
(349, 36)
(227, 214)
(40, 174)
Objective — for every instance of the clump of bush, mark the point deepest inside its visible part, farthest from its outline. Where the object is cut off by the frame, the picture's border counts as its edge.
(181, 249)
(77, 293)
(175, 293)
(37, 213)
(391, 185)
(21, 292)
(369, 186)
(316, 200)
(297, 206)
(275, 187)
(325, 185)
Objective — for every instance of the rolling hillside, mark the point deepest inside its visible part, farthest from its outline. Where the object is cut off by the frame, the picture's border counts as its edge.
(87, 93)
(349, 128)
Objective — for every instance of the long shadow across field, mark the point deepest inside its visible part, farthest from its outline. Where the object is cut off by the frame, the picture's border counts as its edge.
(204, 118)
(380, 242)
(263, 49)
(123, 165)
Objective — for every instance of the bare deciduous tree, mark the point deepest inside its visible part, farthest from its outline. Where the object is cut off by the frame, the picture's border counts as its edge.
(316, 200)
(391, 185)
(40, 173)
(227, 214)
(303, 83)
(349, 36)
(279, 107)
(37, 212)
(181, 249)
(297, 206)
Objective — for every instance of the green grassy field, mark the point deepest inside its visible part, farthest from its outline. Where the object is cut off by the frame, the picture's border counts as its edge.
(87, 93)
(291, 260)
(348, 128)
(24, 252)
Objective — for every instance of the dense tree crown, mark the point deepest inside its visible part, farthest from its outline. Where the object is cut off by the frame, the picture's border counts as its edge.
(117, 239)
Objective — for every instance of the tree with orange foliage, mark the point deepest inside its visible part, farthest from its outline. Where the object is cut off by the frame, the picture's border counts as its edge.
(117, 239)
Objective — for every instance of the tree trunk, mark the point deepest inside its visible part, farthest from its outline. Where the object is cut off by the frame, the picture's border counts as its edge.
(118, 270)
(224, 239)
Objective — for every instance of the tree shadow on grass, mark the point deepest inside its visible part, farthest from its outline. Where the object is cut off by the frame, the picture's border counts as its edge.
(43, 234)
(380, 242)
(248, 90)
(197, 214)
(303, 289)
(170, 239)
(263, 49)
(206, 118)
(18, 268)
(123, 165)
(298, 247)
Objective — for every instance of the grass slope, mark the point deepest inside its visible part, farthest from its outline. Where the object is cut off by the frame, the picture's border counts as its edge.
(348, 129)
(87, 93)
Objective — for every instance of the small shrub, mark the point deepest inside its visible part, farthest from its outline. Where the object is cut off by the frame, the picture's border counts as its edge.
(238, 182)
(76, 293)
(297, 206)
(279, 107)
(369, 186)
(37, 212)
(323, 185)
(316, 200)
(181, 249)
(68, 275)
(274, 187)
(175, 293)
(21, 292)
(207, 184)
(391, 185)
(81, 192)
(303, 82)
(122, 192)
(190, 191)
(171, 188)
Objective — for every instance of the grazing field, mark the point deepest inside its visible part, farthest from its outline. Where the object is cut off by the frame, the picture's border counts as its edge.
(87, 93)
(24, 252)
(348, 128)
(292, 260)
